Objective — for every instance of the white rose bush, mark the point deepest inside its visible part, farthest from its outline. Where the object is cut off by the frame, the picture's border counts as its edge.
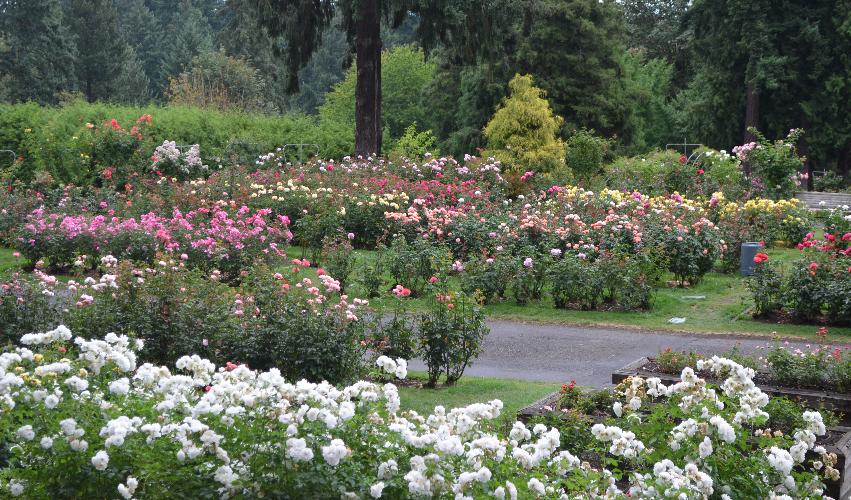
(84, 418)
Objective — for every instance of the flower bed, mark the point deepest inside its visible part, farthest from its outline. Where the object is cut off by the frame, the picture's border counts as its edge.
(86, 419)
(228, 240)
(839, 402)
(837, 439)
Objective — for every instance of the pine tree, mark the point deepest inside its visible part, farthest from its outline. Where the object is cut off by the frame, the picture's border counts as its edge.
(143, 33)
(131, 85)
(38, 55)
(100, 47)
(188, 35)
(302, 22)
(583, 77)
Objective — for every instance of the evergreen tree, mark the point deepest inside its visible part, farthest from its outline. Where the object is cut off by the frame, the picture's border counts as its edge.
(131, 85)
(301, 23)
(584, 77)
(37, 55)
(100, 47)
(523, 132)
(657, 27)
(141, 30)
(188, 35)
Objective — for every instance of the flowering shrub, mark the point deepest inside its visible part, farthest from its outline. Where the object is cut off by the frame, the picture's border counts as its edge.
(169, 161)
(451, 334)
(773, 165)
(416, 264)
(529, 276)
(816, 367)
(766, 287)
(611, 281)
(488, 278)
(108, 424)
(210, 238)
(305, 327)
(691, 251)
(814, 289)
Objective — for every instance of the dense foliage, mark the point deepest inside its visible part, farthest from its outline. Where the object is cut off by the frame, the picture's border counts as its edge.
(644, 73)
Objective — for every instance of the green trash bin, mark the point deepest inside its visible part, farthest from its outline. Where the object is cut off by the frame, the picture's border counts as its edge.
(749, 251)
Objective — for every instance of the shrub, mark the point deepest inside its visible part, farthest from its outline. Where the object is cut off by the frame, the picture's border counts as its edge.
(488, 278)
(766, 288)
(451, 335)
(791, 369)
(523, 133)
(415, 144)
(187, 431)
(529, 276)
(773, 165)
(645, 174)
(372, 274)
(585, 152)
(338, 259)
(217, 81)
(397, 337)
(576, 283)
(830, 182)
(415, 264)
(691, 251)
(53, 138)
(803, 290)
(305, 329)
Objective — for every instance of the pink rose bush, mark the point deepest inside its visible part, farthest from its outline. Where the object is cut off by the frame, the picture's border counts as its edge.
(208, 237)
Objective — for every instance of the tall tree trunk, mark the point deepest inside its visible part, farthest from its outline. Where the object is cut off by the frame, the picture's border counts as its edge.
(368, 85)
(843, 162)
(804, 150)
(751, 112)
(751, 118)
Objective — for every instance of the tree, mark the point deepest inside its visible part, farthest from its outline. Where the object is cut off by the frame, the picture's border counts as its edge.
(188, 35)
(404, 75)
(301, 23)
(142, 32)
(583, 78)
(241, 37)
(523, 132)
(100, 47)
(216, 80)
(131, 85)
(38, 53)
(656, 26)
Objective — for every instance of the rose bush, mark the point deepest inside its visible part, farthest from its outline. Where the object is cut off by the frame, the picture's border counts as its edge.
(87, 419)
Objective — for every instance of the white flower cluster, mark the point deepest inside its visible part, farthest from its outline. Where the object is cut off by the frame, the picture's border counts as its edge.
(398, 368)
(254, 434)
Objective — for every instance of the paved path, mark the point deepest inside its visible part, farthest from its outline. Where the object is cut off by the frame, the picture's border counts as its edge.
(557, 353)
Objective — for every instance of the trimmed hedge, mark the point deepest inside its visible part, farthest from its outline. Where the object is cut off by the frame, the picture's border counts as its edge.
(44, 136)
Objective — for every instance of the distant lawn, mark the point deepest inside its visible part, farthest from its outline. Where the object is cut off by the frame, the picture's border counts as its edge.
(515, 394)
(724, 308)
(7, 261)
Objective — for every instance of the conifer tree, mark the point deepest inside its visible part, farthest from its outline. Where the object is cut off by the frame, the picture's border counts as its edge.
(38, 53)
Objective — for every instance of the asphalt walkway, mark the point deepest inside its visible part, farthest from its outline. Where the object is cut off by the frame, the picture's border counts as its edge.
(557, 353)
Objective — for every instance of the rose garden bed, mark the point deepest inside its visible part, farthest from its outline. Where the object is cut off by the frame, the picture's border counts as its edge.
(837, 439)
(836, 401)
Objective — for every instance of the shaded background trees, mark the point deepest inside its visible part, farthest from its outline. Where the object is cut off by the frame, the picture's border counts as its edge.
(642, 72)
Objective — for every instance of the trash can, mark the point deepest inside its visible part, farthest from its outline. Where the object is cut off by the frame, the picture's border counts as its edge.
(749, 251)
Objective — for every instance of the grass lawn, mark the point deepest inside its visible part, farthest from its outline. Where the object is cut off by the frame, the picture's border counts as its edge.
(7, 261)
(515, 394)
